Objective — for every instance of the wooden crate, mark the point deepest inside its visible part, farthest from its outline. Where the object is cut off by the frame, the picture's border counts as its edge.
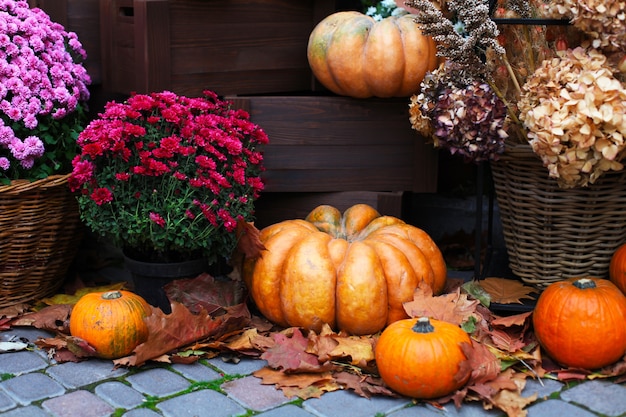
(81, 17)
(337, 150)
(187, 46)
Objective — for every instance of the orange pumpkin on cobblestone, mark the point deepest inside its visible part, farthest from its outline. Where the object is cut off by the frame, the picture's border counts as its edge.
(617, 268)
(581, 322)
(353, 55)
(352, 271)
(111, 322)
(422, 358)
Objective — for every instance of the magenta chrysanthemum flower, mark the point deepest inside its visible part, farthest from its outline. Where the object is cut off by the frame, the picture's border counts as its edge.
(42, 86)
(189, 165)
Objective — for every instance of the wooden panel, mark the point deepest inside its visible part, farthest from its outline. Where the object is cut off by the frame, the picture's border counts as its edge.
(330, 143)
(230, 47)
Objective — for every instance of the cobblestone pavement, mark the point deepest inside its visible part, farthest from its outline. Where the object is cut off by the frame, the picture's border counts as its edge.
(33, 386)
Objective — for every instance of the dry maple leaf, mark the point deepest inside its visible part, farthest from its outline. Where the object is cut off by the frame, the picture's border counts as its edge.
(167, 332)
(249, 243)
(53, 318)
(303, 385)
(290, 354)
(506, 291)
(363, 385)
(453, 308)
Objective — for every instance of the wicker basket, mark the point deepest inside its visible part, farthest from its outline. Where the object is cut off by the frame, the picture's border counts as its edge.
(553, 233)
(40, 232)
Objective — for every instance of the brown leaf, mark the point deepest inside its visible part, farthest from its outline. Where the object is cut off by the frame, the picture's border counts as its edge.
(205, 292)
(303, 385)
(364, 385)
(520, 319)
(290, 354)
(454, 308)
(13, 311)
(249, 243)
(506, 291)
(53, 318)
(168, 332)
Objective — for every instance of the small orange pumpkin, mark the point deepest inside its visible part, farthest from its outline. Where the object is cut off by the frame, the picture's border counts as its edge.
(581, 322)
(111, 322)
(352, 271)
(353, 55)
(617, 268)
(422, 358)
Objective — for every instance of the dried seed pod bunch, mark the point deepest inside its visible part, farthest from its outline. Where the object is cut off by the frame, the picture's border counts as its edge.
(466, 119)
(575, 112)
(602, 20)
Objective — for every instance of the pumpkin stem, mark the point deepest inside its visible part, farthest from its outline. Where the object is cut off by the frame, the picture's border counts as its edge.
(584, 283)
(423, 326)
(111, 295)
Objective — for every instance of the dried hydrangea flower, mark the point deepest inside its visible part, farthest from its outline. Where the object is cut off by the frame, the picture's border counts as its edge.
(466, 119)
(575, 112)
(602, 20)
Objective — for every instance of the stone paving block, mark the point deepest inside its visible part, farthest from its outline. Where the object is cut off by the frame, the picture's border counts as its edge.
(543, 388)
(31, 387)
(141, 412)
(204, 403)
(595, 395)
(29, 411)
(78, 404)
(550, 408)
(6, 402)
(196, 371)
(332, 403)
(288, 410)
(21, 362)
(78, 374)
(417, 410)
(245, 366)
(119, 395)
(249, 392)
(468, 409)
(29, 334)
(159, 382)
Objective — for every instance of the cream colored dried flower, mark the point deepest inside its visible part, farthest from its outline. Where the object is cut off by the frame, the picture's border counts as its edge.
(603, 20)
(419, 122)
(575, 112)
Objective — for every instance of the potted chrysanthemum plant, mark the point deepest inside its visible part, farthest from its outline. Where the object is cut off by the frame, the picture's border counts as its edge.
(43, 95)
(167, 178)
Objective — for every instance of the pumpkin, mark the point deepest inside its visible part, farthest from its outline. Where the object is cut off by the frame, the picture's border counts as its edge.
(617, 268)
(421, 358)
(353, 55)
(352, 271)
(581, 322)
(111, 322)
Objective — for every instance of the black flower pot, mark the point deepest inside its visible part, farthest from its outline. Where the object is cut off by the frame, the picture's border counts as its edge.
(150, 278)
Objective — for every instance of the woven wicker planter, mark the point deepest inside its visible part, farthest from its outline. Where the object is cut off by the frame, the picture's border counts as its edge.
(552, 233)
(40, 231)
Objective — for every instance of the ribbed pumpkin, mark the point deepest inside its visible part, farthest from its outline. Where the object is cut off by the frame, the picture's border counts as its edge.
(353, 55)
(421, 358)
(111, 322)
(352, 271)
(581, 322)
(617, 268)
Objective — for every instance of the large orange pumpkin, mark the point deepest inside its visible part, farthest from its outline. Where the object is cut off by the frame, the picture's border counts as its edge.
(352, 271)
(617, 268)
(581, 322)
(422, 358)
(353, 55)
(111, 322)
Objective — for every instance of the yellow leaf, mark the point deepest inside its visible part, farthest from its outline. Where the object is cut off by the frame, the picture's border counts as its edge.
(506, 291)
